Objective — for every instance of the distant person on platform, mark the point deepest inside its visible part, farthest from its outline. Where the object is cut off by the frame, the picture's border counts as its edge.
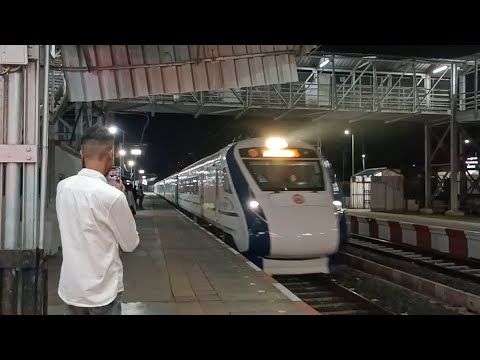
(135, 193)
(130, 199)
(141, 195)
(95, 220)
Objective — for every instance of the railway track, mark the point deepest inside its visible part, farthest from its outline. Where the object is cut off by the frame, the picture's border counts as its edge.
(328, 297)
(466, 269)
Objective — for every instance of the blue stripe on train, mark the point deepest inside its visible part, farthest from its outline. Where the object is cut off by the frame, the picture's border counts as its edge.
(342, 222)
(259, 238)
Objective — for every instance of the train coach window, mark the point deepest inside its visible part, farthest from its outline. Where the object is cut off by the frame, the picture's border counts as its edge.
(226, 183)
(287, 175)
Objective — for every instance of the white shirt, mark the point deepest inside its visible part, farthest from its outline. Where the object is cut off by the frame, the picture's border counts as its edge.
(94, 220)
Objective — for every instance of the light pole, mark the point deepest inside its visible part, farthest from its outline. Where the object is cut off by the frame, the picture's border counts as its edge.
(363, 161)
(113, 130)
(347, 132)
(122, 154)
(131, 163)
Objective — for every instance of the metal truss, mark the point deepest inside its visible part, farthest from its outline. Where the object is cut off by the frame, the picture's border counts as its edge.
(348, 83)
(446, 150)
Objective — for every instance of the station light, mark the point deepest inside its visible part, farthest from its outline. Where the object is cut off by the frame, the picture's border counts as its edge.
(439, 69)
(363, 156)
(131, 163)
(113, 129)
(144, 177)
(325, 62)
(276, 143)
(467, 141)
(122, 152)
(141, 171)
(136, 152)
(346, 132)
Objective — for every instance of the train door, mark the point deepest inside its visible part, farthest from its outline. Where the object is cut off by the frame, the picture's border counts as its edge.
(201, 187)
(175, 191)
(217, 200)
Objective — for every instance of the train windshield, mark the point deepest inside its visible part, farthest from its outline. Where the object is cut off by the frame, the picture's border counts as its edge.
(286, 175)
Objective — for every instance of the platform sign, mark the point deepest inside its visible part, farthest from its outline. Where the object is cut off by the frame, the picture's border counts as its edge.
(472, 163)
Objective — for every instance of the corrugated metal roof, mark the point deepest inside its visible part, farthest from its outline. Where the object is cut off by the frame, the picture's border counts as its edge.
(107, 72)
(374, 171)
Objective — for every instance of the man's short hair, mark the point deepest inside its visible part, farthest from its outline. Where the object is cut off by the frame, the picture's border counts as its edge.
(96, 142)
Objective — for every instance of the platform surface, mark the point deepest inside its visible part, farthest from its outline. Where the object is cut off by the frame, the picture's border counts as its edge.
(443, 221)
(179, 268)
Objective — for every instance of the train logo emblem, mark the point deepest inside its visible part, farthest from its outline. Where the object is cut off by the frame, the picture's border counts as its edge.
(298, 199)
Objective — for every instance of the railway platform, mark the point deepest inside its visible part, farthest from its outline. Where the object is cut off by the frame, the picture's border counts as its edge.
(456, 237)
(180, 268)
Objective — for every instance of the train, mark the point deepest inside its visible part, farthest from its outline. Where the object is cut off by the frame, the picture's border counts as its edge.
(272, 199)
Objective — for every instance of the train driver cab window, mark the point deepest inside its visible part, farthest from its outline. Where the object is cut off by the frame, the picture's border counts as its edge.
(226, 183)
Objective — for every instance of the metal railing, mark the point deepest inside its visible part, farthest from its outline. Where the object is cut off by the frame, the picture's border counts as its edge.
(308, 95)
(313, 96)
(469, 101)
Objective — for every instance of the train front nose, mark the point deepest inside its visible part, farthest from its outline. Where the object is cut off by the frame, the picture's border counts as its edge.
(301, 232)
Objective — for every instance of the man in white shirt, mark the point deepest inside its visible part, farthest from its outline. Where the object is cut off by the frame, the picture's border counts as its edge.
(94, 220)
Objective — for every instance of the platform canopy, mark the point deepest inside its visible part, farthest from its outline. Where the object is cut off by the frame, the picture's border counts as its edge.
(110, 72)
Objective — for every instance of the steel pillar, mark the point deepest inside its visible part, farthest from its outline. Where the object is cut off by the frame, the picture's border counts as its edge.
(427, 209)
(353, 154)
(12, 172)
(462, 92)
(463, 178)
(22, 263)
(454, 144)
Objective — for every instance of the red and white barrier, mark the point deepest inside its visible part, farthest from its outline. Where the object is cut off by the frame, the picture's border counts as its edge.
(458, 243)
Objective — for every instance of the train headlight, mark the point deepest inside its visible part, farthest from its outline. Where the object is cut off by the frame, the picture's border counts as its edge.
(254, 204)
(338, 206)
(276, 143)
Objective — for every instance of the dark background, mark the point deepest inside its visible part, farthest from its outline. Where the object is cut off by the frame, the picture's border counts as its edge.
(176, 140)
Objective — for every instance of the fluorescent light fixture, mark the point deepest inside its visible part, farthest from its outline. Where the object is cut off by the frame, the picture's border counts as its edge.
(136, 152)
(141, 171)
(324, 62)
(439, 69)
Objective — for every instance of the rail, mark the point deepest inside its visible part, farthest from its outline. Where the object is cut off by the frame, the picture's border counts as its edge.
(468, 269)
(329, 297)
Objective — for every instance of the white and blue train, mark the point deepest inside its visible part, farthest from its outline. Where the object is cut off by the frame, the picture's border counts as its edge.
(274, 202)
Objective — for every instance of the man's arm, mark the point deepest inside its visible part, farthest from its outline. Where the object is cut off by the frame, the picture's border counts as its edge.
(123, 225)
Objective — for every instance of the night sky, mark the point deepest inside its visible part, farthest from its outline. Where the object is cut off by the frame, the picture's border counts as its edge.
(175, 141)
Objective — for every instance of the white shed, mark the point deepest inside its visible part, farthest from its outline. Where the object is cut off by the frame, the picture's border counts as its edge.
(378, 189)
